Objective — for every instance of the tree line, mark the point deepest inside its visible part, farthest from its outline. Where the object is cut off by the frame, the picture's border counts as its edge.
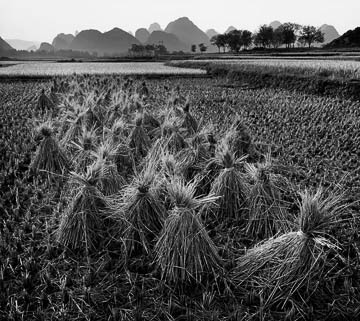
(148, 50)
(288, 34)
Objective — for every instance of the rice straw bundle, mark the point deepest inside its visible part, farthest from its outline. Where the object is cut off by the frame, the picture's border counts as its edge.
(143, 91)
(139, 140)
(170, 132)
(44, 102)
(116, 109)
(54, 98)
(240, 141)
(106, 99)
(267, 212)
(184, 252)
(293, 263)
(155, 156)
(194, 158)
(231, 186)
(170, 167)
(212, 144)
(189, 121)
(124, 160)
(82, 222)
(49, 156)
(172, 106)
(109, 181)
(210, 169)
(151, 124)
(169, 170)
(91, 118)
(83, 148)
(73, 124)
(143, 213)
(118, 131)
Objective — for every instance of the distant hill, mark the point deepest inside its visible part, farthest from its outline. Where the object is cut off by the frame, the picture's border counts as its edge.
(330, 33)
(231, 28)
(32, 48)
(154, 27)
(19, 44)
(62, 41)
(169, 40)
(275, 24)
(4, 46)
(211, 33)
(142, 35)
(187, 32)
(349, 39)
(45, 46)
(115, 41)
(87, 40)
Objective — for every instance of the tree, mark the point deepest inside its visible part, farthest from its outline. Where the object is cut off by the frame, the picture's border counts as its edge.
(160, 49)
(222, 41)
(246, 38)
(310, 35)
(234, 40)
(149, 47)
(193, 48)
(264, 37)
(136, 49)
(202, 47)
(289, 33)
(278, 38)
(218, 41)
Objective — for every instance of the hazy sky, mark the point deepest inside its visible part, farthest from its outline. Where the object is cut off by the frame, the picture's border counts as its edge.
(42, 20)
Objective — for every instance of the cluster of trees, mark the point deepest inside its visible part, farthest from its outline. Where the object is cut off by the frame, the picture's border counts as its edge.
(202, 47)
(148, 50)
(151, 50)
(288, 34)
(234, 40)
(48, 54)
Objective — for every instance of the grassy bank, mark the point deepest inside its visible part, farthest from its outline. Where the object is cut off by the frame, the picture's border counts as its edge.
(323, 80)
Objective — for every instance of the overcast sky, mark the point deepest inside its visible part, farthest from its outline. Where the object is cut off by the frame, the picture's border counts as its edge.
(42, 20)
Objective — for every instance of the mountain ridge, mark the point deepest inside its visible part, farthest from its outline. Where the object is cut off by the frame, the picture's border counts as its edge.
(63, 41)
(187, 32)
(20, 44)
(112, 42)
(169, 40)
(4, 46)
(350, 39)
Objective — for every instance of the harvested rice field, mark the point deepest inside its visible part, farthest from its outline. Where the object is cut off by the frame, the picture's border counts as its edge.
(53, 68)
(177, 198)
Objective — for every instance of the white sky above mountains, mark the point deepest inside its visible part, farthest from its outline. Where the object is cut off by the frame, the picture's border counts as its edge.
(42, 20)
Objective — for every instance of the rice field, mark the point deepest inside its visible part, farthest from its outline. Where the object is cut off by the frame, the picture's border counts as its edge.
(36, 68)
(177, 199)
(333, 69)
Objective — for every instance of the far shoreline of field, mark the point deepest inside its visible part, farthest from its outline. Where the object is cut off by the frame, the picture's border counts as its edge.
(304, 53)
